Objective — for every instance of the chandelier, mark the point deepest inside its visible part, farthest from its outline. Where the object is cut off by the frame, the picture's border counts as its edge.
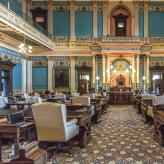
(23, 48)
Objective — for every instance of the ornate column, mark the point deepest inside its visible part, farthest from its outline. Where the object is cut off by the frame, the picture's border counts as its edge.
(95, 20)
(24, 75)
(148, 73)
(50, 17)
(105, 20)
(146, 13)
(133, 71)
(29, 75)
(108, 64)
(104, 70)
(72, 20)
(50, 71)
(145, 72)
(94, 72)
(73, 63)
(136, 19)
(138, 69)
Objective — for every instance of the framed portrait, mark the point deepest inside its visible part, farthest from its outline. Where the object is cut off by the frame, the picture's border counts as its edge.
(61, 77)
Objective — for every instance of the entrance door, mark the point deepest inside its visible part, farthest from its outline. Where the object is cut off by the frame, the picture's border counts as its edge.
(5, 79)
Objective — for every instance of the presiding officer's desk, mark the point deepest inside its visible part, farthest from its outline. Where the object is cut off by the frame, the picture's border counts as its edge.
(120, 97)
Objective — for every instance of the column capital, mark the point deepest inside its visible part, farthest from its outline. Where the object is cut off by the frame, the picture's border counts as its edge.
(72, 57)
(50, 58)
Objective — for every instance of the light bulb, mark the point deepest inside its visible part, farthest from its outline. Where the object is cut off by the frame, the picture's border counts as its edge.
(30, 47)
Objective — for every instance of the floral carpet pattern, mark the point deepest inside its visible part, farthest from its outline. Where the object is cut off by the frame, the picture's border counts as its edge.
(121, 138)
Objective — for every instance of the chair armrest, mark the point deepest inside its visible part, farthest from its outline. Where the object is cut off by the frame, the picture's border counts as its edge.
(71, 122)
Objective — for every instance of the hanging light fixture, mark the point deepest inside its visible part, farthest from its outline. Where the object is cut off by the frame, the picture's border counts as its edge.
(24, 48)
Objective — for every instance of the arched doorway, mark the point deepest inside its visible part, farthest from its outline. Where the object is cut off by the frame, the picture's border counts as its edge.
(120, 22)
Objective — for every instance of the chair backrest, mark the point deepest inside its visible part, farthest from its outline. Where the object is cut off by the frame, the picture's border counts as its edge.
(147, 97)
(50, 120)
(75, 94)
(92, 96)
(158, 100)
(60, 96)
(37, 95)
(83, 100)
(26, 95)
(3, 101)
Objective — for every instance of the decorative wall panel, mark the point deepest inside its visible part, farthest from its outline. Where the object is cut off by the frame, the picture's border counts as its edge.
(83, 23)
(61, 23)
(156, 25)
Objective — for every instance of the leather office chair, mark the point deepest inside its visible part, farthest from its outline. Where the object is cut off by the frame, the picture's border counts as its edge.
(52, 125)
(83, 100)
(3, 101)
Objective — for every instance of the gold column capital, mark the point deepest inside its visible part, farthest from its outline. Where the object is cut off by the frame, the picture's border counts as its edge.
(50, 58)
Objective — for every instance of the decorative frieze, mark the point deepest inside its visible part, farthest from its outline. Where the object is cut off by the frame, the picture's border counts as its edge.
(156, 61)
(62, 61)
(84, 61)
(7, 55)
(39, 61)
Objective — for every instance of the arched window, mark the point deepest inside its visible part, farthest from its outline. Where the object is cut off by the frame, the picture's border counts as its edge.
(120, 22)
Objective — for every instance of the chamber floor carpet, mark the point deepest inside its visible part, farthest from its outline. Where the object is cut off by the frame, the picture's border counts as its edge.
(121, 138)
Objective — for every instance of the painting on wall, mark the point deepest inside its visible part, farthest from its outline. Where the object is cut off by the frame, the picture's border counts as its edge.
(61, 77)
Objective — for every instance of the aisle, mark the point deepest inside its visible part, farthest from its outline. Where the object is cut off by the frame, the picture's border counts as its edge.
(121, 138)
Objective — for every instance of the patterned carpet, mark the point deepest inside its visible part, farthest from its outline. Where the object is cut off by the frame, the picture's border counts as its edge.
(121, 138)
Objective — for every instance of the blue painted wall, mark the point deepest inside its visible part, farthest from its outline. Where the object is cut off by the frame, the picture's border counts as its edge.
(141, 23)
(40, 78)
(83, 23)
(156, 23)
(17, 77)
(100, 23)
(15, 5)
(61, 23)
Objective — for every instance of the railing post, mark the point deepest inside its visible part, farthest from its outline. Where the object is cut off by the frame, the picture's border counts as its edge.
(8, 5)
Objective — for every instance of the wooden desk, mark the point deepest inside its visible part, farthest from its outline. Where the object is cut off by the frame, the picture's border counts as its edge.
(159, 126)
(20, 104)
(120, 98)
(13, 131)
(84, 122)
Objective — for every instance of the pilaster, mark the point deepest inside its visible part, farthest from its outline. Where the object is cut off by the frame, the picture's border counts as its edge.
(72, 20)
(148, 73)
(29, 75)
(95, 20)
(24, 76)
(73, 63)
(136, 19)
(50, 17)
(105, 20)
(108, 71)
(146, 13)
(50, 71)
(138, 69)
(104, 70)
(94, 72)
